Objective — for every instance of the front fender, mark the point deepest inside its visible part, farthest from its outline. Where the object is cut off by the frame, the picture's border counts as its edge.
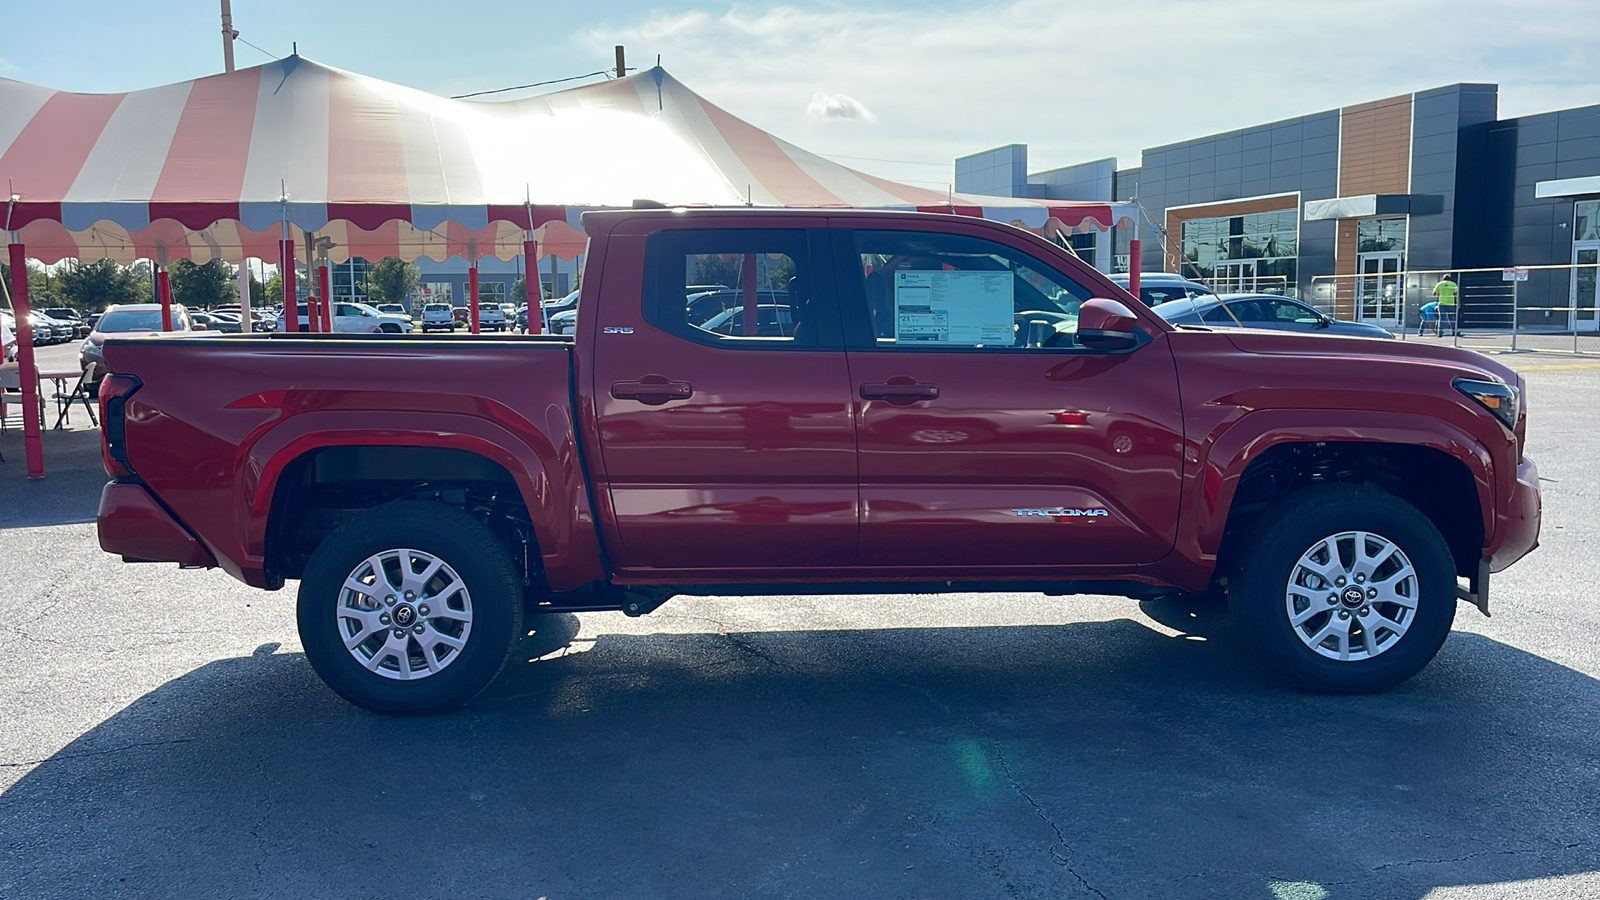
(542, 461)
(1223, 457)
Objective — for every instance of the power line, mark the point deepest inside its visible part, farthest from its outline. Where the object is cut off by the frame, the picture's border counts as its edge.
(535, 84)
(263, 52)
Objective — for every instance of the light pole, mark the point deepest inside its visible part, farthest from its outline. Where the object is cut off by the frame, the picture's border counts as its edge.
(228, 34)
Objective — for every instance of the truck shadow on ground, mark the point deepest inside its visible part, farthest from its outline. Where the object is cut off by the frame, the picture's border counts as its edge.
(1105, 758)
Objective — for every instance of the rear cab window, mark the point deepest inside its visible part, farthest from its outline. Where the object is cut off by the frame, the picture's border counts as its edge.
(737, 288)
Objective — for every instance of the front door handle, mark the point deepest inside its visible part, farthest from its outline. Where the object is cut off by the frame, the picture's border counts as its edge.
(900, 390)
(652, 390)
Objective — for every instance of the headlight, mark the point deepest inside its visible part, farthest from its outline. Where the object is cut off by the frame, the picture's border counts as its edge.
(1500, 399)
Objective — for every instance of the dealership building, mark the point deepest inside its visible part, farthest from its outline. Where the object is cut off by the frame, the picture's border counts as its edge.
(1359, 209)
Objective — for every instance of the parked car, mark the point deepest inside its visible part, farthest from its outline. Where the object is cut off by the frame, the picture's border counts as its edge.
(1262, 311)
(125, 320)
(438, 316)
(1156, 288)
(491, 317)
(358, 318)
(1343, 494)
(559, 304)
(71, 316)
(55, 330)
(772, 320)
(216, 321)
(393, 309)
(564, 322)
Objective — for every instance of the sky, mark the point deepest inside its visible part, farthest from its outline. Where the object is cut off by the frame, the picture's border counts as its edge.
(896, 89)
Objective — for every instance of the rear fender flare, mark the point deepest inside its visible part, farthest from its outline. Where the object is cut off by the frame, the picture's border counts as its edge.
(546, 473)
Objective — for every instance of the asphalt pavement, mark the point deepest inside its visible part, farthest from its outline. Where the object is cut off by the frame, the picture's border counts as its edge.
(162, 735)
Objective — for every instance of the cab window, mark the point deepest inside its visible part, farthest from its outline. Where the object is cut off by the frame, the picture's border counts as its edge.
(936, 291)
(735, 287)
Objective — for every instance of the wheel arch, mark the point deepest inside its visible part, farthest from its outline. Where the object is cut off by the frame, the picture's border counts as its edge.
(1430, 463)
(543, 475)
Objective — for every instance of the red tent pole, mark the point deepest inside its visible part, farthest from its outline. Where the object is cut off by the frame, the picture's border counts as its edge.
(164, 292)
(472, 295)
(1133, 262)
(323, 293)
(531, 294)
(291, 304)
(27, 370)
(751, 303)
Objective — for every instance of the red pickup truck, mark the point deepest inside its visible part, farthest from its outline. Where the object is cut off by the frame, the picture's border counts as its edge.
(865, 402)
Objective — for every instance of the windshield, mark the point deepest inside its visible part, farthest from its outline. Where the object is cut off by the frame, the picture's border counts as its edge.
(121, 320)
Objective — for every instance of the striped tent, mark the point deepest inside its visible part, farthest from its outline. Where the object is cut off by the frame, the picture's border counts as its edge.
(224, 166)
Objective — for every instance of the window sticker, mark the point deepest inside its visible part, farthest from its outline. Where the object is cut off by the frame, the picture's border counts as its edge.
(952, 307)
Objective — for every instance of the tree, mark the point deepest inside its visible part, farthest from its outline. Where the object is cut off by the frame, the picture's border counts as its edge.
(40, 294)
(203, 286)
(93, 286)
(392, 279)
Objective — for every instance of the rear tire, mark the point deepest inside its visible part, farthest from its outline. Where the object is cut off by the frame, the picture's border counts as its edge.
(389, 328)
(428, 632)
(1381, 613)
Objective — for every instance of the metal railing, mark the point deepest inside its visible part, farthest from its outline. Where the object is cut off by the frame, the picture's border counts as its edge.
(1546, 307)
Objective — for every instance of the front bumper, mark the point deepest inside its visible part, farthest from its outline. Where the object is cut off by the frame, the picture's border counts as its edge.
(1518, 526)
(136, 527)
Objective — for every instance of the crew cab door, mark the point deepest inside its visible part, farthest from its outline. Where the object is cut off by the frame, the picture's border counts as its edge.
(726, 440)
(991, 441)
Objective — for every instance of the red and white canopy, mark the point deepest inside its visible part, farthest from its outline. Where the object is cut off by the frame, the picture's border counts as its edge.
(215, 167)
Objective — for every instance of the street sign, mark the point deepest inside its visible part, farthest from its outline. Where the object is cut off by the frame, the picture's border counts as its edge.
(1513, 274)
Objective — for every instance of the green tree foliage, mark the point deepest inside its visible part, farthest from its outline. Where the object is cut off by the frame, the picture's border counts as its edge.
(392, 279)
(716, 270)
(203, 286)
(94, 286)
(40, 293)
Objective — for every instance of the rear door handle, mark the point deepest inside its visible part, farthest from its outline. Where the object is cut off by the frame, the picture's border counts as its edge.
(652, 390)
(900, 390)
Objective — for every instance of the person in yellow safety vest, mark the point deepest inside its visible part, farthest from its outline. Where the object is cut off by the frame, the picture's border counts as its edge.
(1446, 291)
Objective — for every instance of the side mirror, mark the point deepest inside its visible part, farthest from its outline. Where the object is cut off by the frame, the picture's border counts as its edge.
(197, 326)
(1106, 325)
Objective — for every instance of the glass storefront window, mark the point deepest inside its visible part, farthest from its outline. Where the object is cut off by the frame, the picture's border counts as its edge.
(1381, 235)
(436, 292)
(1257, 251)
(1587, 226)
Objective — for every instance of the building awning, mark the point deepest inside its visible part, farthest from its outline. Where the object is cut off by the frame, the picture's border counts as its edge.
(1567, 187)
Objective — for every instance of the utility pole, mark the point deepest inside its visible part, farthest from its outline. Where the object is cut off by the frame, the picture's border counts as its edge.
(228, 34)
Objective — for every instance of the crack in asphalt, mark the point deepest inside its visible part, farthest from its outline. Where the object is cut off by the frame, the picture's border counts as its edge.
(1456, 859)
(1063, 860)
(743, 644)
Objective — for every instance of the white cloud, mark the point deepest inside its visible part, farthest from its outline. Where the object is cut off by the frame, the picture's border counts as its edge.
(838, 107)
(1084, 79)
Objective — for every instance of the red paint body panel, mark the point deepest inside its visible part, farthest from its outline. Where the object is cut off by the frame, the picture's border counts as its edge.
(133, 525)
(771, 468)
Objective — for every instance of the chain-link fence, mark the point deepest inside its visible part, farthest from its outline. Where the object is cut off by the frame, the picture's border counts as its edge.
(1551, 308)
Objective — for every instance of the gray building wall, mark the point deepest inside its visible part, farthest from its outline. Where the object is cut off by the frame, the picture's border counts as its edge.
(1533, 231)
(1086, 181)
(1444, 158)
(453, 271)
(1292, 155)
(1001, 172)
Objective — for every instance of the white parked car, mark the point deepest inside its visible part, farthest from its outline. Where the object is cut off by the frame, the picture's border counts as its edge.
(359, 318)
(439, 316)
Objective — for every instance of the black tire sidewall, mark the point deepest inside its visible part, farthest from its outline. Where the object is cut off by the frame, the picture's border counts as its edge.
(467, 547)
(1259, 582)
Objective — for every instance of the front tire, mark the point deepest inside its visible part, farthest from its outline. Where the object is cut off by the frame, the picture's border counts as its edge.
(409, 608)
(1343, 589)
